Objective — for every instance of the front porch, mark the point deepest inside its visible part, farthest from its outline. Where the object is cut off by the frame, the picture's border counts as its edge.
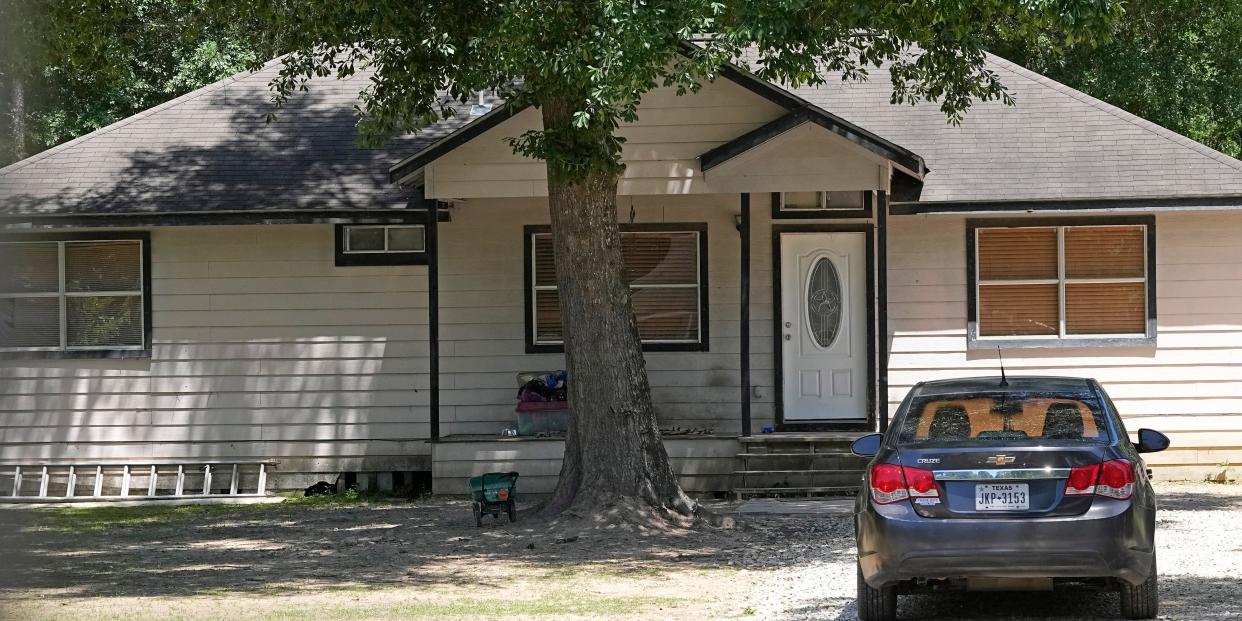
(790, 464)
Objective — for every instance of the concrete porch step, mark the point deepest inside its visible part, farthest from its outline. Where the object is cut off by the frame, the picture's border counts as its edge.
(800, 461)
(793, 492)
(796, 478)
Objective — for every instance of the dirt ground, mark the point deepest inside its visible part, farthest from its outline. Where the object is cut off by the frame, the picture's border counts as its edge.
(426, 560)
(366, 560)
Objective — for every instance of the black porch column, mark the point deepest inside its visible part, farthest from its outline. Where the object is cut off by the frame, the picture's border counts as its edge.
(881, 269)
(744, 299)
(433, 314)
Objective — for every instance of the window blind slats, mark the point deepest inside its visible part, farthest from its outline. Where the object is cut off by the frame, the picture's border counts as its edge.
(548, 317)
(1106, 308)
(95, 300)
(104, 321)
(667, 314)
(29, 268)
(1018, 310)
(1105, 252)
(660, 258)
(545, 261)
(30, 322)
(662, 269)
(103, 266)
(1090, 252)
(1017, 254)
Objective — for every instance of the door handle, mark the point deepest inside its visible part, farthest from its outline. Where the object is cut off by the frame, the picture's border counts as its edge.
(788, 337)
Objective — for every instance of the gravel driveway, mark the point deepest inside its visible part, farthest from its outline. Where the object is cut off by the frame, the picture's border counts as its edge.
(1199, 538)
(426, 560)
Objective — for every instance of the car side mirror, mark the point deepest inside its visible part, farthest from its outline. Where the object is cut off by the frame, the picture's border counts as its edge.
(1151, 441)
(868, 445)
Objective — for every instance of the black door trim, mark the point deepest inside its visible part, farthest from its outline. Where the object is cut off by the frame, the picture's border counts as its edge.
(778, 342)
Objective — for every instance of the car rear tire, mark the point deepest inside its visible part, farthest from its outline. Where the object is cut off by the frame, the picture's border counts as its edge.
(1141, 601)
(876, 604)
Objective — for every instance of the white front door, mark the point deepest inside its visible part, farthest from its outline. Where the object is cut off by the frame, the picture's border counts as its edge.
(824, 326)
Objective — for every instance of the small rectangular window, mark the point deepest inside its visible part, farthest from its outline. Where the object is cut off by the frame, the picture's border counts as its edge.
(1067, 282)
(381, 244)
(665, 271)
(804, 200)
(820, 205)
(73, 295)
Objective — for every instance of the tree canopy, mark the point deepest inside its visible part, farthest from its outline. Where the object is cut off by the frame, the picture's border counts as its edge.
(1177, 63)
(69, 68)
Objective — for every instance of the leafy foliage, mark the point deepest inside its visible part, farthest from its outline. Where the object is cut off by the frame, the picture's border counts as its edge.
(1177, 63)
(599, 57)
(89, 63)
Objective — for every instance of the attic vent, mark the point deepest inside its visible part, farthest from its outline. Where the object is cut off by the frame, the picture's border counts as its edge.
(481, 106)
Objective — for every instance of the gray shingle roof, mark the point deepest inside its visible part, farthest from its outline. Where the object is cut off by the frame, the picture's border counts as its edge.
(1055, 143)
(212, 150)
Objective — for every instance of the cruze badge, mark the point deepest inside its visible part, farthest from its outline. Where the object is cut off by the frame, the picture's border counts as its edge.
(1001, 460)
(928, 460)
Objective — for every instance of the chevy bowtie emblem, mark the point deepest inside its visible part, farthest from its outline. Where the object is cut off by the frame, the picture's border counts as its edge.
(1001, 460)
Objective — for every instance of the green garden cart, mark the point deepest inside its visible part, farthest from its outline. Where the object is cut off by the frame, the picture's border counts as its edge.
(492, 493)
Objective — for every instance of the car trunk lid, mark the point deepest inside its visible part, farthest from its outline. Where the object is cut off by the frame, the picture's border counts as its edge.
(1000, 480)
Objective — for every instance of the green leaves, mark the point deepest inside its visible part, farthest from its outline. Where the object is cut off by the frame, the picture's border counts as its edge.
(1177, 63)
(90, 63)
(601, 55)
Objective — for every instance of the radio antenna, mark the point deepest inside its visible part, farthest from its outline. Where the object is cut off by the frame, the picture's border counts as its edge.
(1001, 358)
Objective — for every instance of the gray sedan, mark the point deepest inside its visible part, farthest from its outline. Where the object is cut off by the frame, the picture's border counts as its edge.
(1024, 483)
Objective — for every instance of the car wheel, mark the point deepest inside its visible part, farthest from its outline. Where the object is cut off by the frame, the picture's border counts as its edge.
(876, 604)
(1142, 601)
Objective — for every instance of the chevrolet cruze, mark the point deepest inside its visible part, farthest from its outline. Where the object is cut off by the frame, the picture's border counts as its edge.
(1025, 483)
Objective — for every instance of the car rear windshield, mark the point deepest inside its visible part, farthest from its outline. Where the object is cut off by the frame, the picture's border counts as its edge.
(1011, 417)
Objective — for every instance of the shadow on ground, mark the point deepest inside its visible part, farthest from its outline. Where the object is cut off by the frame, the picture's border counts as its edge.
(269, 548)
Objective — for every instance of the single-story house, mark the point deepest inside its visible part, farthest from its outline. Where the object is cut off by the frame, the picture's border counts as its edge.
(193, 283)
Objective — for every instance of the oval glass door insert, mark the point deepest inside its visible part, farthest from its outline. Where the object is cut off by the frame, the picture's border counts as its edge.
(823, 302)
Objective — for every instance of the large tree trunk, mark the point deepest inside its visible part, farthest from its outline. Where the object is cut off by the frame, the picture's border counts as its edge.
(17, 121)
(613, 452)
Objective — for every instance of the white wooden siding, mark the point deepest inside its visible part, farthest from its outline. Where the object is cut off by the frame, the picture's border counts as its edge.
(661, 152)
(261, 348)
(482, 255)
(1189, 385)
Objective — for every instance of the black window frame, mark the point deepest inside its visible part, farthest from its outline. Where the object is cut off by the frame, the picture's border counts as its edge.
(862, 213)
(703, 343)
(116, 353)
(379, 258)
(975, 342)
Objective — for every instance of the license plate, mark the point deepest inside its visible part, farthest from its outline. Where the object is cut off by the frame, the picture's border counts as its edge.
(1002, 497)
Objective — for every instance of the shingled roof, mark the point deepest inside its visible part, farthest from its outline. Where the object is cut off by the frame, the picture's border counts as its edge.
(211, 151)
(1056, 143)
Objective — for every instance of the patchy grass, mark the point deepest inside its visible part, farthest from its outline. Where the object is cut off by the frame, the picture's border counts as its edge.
(349, 604)
(89, 519)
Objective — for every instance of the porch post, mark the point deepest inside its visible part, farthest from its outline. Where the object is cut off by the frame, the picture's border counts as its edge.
(881, 269)
(433, 314)
(744, 299)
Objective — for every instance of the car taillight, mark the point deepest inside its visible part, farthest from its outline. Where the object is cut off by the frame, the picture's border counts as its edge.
(921, 483)
(892, 483)
(1081, 481)
(1116, 479)
(887, 484)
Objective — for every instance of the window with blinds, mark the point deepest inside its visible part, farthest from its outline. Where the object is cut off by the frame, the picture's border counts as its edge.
(72, 295)
(664, 271)
(1061, 282)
